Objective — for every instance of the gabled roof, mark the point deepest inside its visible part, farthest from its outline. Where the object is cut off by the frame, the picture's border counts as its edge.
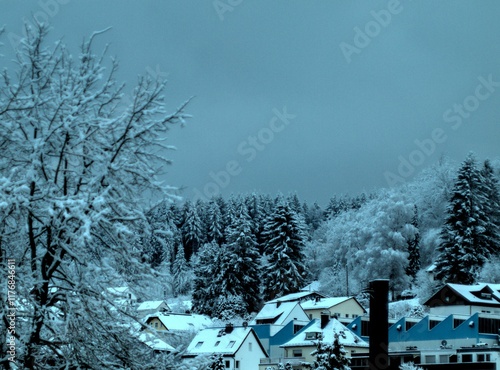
(348, 339)
(315, 286)
(181, 322)
(155, 343)
(326, 303)
(219, 341)
(151, 305)
(277, 313)
(482, 294)
(294, 297)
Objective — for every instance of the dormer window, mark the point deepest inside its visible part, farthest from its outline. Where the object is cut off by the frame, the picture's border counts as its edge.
(311, 335)
(199, 344)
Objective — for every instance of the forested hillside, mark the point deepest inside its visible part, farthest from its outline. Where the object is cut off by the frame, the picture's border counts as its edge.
(232, 254)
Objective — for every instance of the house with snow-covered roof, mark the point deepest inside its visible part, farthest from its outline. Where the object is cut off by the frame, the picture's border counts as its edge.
(278, 322)
(240, 347)
(340, 307)
(121, 296)
(297, 297)
(155, 343)
(465, 299)
(299, 351)
(175, 322)
(151, 307)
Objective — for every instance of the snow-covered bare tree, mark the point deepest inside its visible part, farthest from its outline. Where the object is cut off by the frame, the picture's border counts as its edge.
(74, 165)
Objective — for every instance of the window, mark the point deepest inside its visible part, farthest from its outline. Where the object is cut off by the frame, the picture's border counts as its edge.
(228, 364)
(433, 323)
(237, 366)
(457, 323)
(297, 353)
(444, 359)
(467, 358)
(156, 325)
(430, 359)
(482, 357)
(409, 325)
(296, 328)
(250, 346)
(231, 344)
(199, 344)
(217, 343)
(489, 326)
(311, 335)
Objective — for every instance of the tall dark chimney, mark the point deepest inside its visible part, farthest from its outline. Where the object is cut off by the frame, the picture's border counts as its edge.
(379, 324)
(325, 318)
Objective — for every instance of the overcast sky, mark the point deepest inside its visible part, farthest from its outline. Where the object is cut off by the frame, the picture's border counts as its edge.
(313, 97)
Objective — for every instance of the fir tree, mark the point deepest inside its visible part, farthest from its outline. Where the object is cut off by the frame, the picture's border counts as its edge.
(215, 222)
(285, 271)
(206, 286)
(414, 249)
(217, 362)
(193, 230)
(464, 246)
(181, 273)
(240, 265)
(331, 356)
(492, 208)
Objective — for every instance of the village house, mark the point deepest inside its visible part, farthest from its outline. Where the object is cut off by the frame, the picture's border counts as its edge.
(240, 347)
(343, 308)
(278, 322)
(299, 351)
(151, 307)
(176, 322)
(465, 299)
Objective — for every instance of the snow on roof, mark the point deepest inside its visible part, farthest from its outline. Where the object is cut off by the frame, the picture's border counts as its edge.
(155, 343)
(182, 322)
(216, 340)
(313, 287)
(472, 293)
(294, 297)
(323, 303)
(274, 311)
(349, 339)
(150, 305)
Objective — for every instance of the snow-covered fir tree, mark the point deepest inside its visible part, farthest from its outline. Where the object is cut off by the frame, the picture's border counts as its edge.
(181, 273)
(464, 245)
(215, 222)
(206, 284)
(414, 249)
(492, 208)
(217, 362)
(240, 267)
(285, 271)
(193, 229)
(331, 356)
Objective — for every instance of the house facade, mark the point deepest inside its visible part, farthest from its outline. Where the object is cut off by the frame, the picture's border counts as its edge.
(343, 308)
(465, 299)
(240, 347)
(298, 351)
